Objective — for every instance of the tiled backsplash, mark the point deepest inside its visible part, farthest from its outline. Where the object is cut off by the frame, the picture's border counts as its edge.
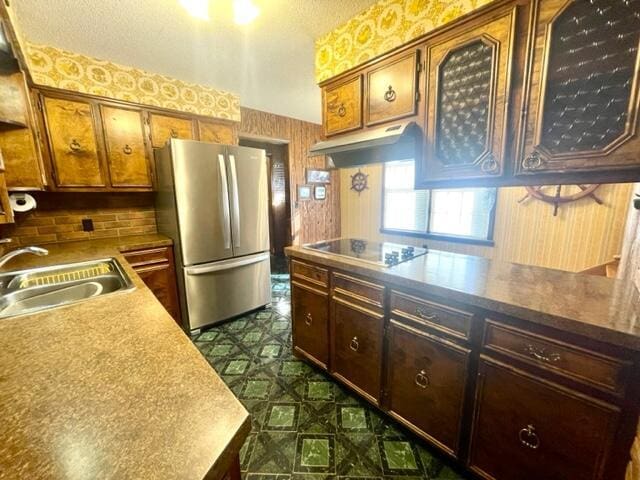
(59, 216)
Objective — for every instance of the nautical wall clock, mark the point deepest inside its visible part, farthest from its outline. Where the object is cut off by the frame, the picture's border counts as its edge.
(359, 182)
(559, 198)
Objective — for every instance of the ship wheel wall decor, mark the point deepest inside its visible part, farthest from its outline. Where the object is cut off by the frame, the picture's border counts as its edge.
(359, 181)
(558, 198)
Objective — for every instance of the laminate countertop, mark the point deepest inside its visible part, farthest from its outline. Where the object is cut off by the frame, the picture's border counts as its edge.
(597, 307)
(110, 387)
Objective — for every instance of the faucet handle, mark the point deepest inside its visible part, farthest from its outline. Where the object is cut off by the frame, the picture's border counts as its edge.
(5, 240)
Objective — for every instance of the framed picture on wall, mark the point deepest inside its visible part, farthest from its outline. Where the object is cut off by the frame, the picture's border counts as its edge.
(304, 193)
(318, 175)
(320, 192)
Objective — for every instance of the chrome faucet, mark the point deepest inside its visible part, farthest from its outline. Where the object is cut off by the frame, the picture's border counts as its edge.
(41, 252)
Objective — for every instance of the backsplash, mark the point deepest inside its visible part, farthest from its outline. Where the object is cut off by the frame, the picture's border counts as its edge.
(59, 216)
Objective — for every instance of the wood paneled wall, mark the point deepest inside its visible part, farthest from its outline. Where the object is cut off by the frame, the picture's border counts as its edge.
(311, 220)
(583, 234)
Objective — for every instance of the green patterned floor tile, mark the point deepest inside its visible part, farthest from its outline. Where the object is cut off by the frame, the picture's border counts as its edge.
(353, 418)
(207, 336)
(319, 390)
(357, 455)
(270, 351)
(236, 367)
(220, 350)
(257, 388)
(315, 453)
(282, 417)
(398, 457)
(293, 368)
(274, 452)
(317, 417)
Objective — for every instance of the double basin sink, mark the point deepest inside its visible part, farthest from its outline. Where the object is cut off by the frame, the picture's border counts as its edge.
(37, 289)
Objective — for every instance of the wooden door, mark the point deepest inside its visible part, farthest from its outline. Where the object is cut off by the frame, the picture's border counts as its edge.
(71, 131)
(6, 212)
(469, 72)
(531, 429)
(164, 127)
(342, 106)
(581, 114)
(310, 322)
(129, 165)
(356, 353)
(392, 89)
(217, 132)
(426, 382)
(21, 156)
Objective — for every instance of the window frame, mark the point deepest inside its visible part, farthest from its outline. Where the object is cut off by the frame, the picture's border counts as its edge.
(488, 242)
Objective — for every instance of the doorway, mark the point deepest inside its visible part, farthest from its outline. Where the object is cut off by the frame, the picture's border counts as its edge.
(279, 198)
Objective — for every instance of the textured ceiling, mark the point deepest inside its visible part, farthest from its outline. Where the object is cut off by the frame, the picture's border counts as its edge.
(269, 63)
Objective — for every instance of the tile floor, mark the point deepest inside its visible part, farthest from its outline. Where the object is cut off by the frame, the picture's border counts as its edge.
(305, 425)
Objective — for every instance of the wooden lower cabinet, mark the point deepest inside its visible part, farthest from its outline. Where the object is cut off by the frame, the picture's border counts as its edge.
(531, 429)
(356, 353)
(426, 382)
(155, 266)
(310, 323)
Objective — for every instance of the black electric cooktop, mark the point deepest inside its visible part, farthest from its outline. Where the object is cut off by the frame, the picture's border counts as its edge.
(381, 253)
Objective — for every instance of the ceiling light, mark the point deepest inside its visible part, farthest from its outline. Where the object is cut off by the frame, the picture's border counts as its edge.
(244, 11)
(197, 8)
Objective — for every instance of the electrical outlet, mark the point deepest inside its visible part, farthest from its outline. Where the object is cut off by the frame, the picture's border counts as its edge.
(87, 225)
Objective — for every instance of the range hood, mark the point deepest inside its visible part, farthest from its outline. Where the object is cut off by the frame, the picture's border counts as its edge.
(383, 144)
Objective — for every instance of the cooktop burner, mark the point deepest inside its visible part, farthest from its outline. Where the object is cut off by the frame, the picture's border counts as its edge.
(381, 253)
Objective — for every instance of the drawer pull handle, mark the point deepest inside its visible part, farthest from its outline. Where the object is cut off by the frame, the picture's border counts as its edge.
(173, 133)
(422, 380)
(423, 314)
(308, 319)
(532, 162)
(542, 355)
(127, 149)
(75, 146)
(354, 345)
(390, 94)
(528, 437)
(342, 111)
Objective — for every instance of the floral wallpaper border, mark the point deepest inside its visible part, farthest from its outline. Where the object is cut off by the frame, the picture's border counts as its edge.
(58, 68)
(382, 27)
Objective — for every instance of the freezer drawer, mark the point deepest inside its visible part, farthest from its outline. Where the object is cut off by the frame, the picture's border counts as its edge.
(221, 290)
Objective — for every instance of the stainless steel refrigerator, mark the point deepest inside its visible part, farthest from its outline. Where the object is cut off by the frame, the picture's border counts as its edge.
(212, 201)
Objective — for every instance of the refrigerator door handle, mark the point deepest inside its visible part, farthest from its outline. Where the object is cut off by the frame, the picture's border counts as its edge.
(226, 233)
(235, 202)
(226, 264)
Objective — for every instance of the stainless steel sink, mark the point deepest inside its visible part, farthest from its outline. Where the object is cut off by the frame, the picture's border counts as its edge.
(35, 289)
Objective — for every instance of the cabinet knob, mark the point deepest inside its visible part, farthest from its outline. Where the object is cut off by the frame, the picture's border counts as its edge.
(490, 165)
(541, 354)
(173, 133)
(421, 379)
(533, 161)
(75, 146)
(390, 94)
(308, 319)
(528, 437)
(354, 345)
(342, 111)
(423, 314)
(127, 149)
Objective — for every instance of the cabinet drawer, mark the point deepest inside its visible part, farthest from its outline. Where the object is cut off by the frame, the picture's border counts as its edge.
(309, 273)
(342, 106)
(368, 293)
(164, 128)
(440, 317)
(216, 133)
(528, 429)
(357, 347)
(392, 89)
(426, 379)
(148, 256)
(310, 309)
(578, 363)
(160, 279)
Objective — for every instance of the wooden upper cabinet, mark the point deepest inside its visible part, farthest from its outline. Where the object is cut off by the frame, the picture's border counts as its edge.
(164, 127)
(392, 89)
(342, 106)
(72, 141)
(217, 132)
(469, 71)
(125, 147)
(582, 107)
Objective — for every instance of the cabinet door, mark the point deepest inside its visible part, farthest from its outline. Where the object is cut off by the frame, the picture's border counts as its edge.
(530, 429)
(469, 85)
(392, 89)
(357, 347)
(126, 149)
(164, 127)
(72, 142)
(342, 106)
(18, 148)
(217, 133)
(426, 383)
(310, 312)
(160, 278)
(582, 108)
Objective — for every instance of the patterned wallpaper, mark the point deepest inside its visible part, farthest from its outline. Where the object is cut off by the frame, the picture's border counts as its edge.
(382, 27)
(54, 67)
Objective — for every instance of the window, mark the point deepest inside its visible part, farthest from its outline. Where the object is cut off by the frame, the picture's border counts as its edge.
(461, 214)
